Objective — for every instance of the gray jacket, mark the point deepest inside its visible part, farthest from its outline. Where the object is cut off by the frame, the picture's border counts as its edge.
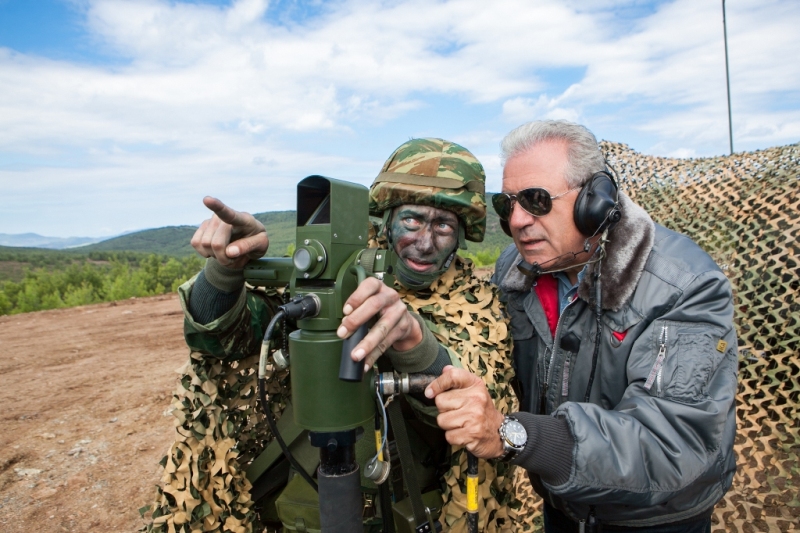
(655, 442)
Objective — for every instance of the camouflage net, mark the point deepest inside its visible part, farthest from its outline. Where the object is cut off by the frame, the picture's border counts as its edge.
(744, 210)
(219, 429)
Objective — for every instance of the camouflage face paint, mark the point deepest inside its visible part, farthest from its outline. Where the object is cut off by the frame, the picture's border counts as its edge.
(423, 236)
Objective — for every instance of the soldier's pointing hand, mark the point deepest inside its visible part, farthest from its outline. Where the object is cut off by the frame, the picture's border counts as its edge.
(231, 237)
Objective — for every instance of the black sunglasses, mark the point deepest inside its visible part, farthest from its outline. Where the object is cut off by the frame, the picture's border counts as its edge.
(535, 201)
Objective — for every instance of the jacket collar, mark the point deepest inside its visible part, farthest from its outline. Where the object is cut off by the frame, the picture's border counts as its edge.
(629, 245)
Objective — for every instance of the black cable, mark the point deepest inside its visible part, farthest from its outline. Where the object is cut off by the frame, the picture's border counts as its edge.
(598, 311)
(262, 393)
(274, 428)
(285, 329)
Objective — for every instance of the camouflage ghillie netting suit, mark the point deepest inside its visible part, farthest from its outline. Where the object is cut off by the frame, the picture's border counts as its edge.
(744, 210)
(464, 314)
(219, 422)
(461, 310)
(220, 428)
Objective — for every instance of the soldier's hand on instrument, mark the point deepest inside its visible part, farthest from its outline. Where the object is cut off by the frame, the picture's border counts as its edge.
(466, 412)
(395, 326)
(231, 237)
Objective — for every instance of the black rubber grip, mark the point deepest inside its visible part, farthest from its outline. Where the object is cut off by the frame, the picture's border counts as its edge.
(340, 502)
(350, 370)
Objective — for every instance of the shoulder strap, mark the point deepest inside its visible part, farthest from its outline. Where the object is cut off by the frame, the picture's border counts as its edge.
(422, 523)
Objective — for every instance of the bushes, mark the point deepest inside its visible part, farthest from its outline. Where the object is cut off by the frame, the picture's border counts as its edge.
(483, 258)
(68, 280)
(84, 282)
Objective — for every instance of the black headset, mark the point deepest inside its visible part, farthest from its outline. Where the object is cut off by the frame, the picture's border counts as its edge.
(596, 208)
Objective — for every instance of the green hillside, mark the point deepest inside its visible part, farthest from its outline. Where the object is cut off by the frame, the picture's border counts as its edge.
(172, 240)
(14, 261)
(495, 238)
(281, 230)
(144, 263)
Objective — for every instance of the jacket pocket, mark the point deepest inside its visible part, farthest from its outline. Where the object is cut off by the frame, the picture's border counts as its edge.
(685, 355)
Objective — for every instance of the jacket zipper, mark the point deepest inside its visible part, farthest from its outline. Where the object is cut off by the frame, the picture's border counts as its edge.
(662, 353)
(658, 366)
(549, 366)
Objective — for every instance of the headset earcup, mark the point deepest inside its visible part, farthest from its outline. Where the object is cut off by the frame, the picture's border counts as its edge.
(596, 204)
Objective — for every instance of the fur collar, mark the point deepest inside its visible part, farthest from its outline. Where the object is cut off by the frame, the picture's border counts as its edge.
(629, 245)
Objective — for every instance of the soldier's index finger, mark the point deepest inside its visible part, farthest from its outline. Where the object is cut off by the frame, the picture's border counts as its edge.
(225, 213)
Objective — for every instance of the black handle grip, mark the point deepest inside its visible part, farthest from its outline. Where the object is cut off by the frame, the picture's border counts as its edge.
(350, 370)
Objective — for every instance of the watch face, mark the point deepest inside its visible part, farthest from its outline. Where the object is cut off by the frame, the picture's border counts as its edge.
(515, 433)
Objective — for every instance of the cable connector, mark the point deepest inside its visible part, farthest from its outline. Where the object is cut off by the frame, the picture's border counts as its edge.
(305, 306)
(390, 383)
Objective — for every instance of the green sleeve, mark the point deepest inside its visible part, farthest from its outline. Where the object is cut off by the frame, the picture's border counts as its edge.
(236, 334)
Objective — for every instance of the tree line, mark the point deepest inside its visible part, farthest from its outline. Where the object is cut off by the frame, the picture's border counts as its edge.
(88, 280)
(55, 280)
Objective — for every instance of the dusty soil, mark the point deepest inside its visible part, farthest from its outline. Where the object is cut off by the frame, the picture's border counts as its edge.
(84, 393)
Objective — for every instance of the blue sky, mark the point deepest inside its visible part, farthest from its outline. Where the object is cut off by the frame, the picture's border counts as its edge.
(117, 115)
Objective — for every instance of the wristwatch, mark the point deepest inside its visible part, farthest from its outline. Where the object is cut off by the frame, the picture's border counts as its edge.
(513, 436)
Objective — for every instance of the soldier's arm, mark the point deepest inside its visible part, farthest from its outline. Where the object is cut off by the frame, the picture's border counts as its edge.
(214, 292)
(222, 318)
(428, 357)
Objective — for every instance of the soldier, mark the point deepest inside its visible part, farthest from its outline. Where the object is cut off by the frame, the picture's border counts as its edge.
(430, 196)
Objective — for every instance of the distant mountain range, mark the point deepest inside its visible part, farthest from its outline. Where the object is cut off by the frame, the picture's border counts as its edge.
(174, 240)
(34, 240)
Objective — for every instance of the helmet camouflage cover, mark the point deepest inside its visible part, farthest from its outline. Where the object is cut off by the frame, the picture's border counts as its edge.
(436, 173)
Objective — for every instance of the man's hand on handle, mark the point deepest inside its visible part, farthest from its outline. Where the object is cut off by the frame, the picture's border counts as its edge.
(395, 326)
(231, 237)
(466, 412)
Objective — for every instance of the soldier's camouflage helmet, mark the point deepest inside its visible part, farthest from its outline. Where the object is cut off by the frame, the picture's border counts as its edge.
(437, 173)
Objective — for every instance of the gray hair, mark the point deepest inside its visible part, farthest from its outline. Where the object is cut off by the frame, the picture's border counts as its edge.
(584, 155)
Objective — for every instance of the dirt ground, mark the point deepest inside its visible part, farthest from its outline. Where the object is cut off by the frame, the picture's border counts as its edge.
(84, 394)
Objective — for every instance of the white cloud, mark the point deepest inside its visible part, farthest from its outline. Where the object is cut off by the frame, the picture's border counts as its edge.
(518, 110)
(220, 97)
(194, 67)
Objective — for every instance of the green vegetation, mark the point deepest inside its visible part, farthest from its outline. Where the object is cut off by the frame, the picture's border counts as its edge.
(86, 281)
(172, 241)
(146, 263)
(494, 238)
(15, 262)
(483, 258)
(281, 230)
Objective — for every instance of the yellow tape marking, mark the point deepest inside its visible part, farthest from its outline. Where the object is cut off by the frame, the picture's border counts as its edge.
(472, 494)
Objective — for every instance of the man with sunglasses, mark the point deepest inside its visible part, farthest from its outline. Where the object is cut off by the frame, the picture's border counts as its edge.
(624, 348)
